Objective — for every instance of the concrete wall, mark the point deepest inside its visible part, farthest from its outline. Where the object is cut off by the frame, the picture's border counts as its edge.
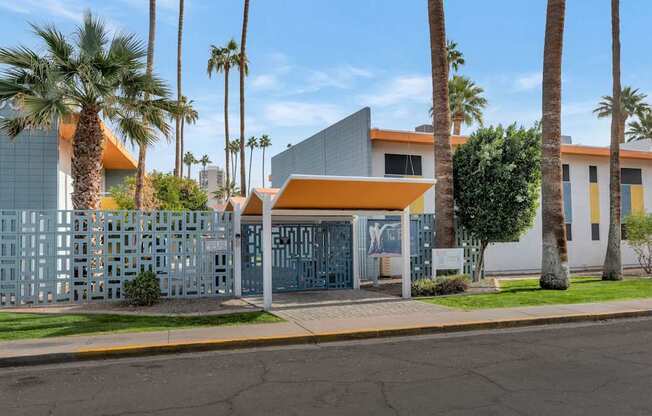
(116, 177)
(28, 168)
(343, 149)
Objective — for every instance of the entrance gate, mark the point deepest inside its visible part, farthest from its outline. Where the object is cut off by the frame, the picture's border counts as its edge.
(305, 257)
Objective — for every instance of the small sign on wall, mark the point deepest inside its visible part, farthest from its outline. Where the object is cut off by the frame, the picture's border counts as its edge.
(447, 259)
(214, 245)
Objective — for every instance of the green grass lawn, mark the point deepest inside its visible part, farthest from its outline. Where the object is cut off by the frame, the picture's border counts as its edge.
(526, 292)
(15, 326)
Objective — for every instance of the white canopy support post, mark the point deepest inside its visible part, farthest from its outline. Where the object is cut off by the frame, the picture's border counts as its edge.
(356, 253)
(405, 254)
(267, 252)
(237, 252)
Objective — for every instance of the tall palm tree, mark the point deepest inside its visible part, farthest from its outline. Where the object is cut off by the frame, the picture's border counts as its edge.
(226, 191)
(189, 160)
(243, 59)
(455, 57)
(252, 143)
(613, 267)
(142, 150)
(444, 226)
(554, 260)
(187, 115)
(179, 152)
(222, 59)
(632, 103)
(640, 129)
(89, 73)
(205, 160)
(465, 101)
(235, 152)
(264, 142)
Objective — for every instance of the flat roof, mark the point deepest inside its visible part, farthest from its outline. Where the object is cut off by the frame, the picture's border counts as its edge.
(413, 137)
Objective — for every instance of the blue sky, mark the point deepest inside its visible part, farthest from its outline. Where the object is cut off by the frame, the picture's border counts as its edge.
(313, 62)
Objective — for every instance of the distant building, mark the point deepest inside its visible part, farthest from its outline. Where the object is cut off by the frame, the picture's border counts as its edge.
(351, 147)
(35, 167)
(210, 180)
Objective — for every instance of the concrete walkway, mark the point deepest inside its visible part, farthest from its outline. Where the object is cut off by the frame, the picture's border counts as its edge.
(309, 320)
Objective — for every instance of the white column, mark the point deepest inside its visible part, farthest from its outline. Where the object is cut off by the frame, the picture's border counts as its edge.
(267, 252)
(237, 252)
(356, 253)
(405, 254)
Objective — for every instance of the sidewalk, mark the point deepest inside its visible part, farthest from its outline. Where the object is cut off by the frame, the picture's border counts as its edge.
(314, 323)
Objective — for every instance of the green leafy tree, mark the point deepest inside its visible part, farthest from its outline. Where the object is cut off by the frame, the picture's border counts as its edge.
(164, 192)
(640, 129)
(264, 142)
(639, 238)
(497, 181)
(90, 73)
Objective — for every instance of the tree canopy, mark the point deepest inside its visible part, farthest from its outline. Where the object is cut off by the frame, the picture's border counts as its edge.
(165, 192)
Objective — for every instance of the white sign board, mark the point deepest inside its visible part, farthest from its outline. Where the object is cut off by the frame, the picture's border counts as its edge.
(447, 259)
(214, 245)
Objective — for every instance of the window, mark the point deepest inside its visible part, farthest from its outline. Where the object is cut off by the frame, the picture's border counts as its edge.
(569, 232)
(594, 201)
(565, 173)
(402, 165)
(595, 232)
(568, 207)
(631, 192)
(593, 174)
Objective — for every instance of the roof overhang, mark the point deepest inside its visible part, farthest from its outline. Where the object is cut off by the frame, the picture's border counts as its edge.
(115, 156)
(316, 194)
(234, 203)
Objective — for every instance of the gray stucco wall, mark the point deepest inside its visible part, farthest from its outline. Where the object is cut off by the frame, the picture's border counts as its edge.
(28, 168)
(343, 149)
(115, 177)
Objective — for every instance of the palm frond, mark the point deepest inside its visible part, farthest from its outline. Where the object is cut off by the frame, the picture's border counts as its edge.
(56, 42)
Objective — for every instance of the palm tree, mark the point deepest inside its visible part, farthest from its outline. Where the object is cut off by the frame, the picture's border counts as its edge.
(243, 73)
(235, 150)
(205, 160)
(554, 260)
(455, 57)
(264, 142)
(187, 115)
(632, 103)
(222, 60)
(621, 105)
(252, 143)
(179, 152)
(189, 160)
(465, 101)
(90, 74)
(142, 150)
(226, 191)
(640, 129)
(444, 228)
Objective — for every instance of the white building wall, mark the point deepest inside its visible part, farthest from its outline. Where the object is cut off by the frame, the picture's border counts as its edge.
(525, 255)
(64, 180)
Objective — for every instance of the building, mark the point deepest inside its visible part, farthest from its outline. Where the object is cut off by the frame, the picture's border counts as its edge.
(352, 147)
(211, 179)
(35, 167)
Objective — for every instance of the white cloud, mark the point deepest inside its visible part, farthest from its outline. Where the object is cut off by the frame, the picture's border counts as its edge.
(405, 88)
(265, 82)
(527, 82)
(294, 113)
(341, 77)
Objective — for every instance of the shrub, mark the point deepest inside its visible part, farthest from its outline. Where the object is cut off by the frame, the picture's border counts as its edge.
(639, 238)
(439, 286)
(143, 290)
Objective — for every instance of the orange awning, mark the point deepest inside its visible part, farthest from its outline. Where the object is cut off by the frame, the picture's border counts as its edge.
(253, 205)
(233, 202)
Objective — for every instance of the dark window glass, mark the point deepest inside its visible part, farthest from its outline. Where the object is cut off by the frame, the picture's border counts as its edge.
(402, 165)
(630, 176)
(593, 174)
(565, 173)
(623, 232)
(595, 232)
(569, 232)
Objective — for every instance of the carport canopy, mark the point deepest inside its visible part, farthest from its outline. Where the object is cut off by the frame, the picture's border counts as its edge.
(315, 195)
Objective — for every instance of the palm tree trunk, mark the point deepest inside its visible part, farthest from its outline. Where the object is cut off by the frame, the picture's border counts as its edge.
(457, 124)
(142, 151)
(613, 268)
(189, 165)
(179, 154)
(183, 125)
(554, 260)
(243, 43)
(227, 150)
(263, 182)
(444, 205)
(88, 146)
(251, 156)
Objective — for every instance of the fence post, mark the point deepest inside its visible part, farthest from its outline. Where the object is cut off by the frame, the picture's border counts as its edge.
(405, 254)
(356, 252)
(237, 252)
(267, 252)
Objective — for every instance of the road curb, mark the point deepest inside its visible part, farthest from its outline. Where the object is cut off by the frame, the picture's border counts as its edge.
(220, 344)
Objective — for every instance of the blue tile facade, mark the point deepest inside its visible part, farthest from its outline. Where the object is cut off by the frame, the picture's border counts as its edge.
(342, 149)
(28, 168)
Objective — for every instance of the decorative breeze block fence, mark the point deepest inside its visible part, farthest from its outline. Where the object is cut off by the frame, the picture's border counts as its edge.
(78, 256)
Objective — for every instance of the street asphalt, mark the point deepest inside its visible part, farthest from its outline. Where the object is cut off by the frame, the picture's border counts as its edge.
(581, 369)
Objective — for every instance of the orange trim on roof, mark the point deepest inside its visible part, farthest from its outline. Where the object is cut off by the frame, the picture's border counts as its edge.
(254, 204)
(115, 156)
(232, 202)
(398, 136)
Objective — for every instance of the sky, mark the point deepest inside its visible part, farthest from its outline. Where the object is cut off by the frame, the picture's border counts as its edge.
(313, 62)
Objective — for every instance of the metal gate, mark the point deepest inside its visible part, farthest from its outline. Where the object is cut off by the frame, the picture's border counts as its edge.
(305, 257)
